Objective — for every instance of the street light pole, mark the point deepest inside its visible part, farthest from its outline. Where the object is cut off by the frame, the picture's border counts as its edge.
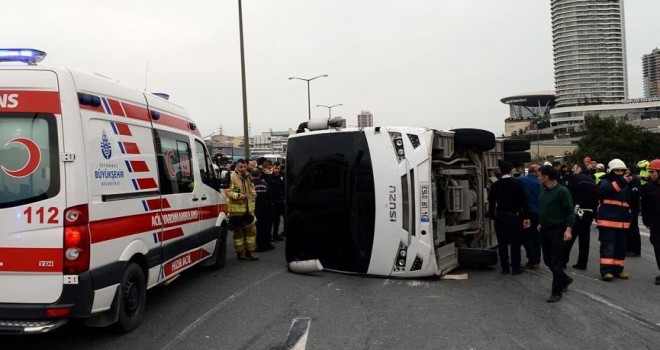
(246, 137)
(309, 106)
(330, 108)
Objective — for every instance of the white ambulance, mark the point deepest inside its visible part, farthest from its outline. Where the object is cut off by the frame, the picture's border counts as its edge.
(105, 192)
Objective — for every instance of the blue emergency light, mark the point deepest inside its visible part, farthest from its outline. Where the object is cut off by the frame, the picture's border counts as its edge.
(29, 56)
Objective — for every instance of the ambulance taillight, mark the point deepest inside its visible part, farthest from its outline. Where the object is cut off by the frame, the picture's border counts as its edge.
(76, 240)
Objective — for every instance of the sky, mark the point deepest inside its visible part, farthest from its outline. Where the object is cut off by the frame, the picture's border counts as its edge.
(434, 63)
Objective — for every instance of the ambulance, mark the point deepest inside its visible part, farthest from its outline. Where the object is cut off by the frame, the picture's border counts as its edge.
(105, 192)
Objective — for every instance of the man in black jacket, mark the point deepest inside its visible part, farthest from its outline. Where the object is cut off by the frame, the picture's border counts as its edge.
(651, 208)
(584, 193)
(508, 205)
(277, 189)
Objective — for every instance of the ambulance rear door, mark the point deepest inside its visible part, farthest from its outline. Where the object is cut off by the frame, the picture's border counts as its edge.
(32, 196)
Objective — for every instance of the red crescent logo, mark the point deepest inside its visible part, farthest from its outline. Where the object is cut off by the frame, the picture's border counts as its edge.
(170, 167)
(34, 158)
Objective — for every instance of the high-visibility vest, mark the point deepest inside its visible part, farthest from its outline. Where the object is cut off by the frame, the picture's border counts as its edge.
(240, 185)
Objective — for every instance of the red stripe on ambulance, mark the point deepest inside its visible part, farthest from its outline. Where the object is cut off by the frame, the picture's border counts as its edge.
(30, 101)
(123, 129)
(170, 234)
(146, 183)
(30, 259)
(136, 112)
(184, 260)
(116, 108)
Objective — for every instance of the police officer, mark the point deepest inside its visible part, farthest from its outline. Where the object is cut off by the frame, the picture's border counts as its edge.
(508, 205)
(613, 220)
(584, 193)
(633, 239)
(651, 208)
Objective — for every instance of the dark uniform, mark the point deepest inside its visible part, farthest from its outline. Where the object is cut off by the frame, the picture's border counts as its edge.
(613, 222)
(263, 212)
(633, 239)
(651, 216)
(276, 183)
(508, 205)
(584, 193)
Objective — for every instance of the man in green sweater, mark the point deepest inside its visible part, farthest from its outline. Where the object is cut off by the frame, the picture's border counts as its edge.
(556, 217)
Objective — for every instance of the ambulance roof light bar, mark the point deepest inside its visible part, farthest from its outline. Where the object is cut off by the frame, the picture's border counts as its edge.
(29, 56)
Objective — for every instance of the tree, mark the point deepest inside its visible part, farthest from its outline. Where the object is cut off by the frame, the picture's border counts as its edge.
(606, 139)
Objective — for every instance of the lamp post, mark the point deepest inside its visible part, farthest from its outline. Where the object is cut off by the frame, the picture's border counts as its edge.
(330, 108)
(246, 137)
(309, 107)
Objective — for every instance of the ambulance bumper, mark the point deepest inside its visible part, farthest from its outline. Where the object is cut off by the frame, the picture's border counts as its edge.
(77, 298)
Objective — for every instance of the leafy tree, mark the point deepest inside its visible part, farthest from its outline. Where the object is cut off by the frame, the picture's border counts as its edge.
(606, 138)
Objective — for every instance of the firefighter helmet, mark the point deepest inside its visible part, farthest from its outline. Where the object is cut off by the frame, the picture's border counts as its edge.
(654, 165)
(642, 164)
(616, 164)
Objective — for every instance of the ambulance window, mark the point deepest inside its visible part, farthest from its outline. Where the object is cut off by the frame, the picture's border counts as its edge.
(29, 169)
(206, 171)
(174, 162)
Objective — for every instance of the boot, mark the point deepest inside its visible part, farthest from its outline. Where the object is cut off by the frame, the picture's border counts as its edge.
(251, 256)
(608, 277)
(623, 275)
(657, 280)
(241, 256)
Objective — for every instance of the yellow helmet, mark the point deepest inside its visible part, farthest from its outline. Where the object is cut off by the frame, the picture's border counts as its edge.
(642, 164)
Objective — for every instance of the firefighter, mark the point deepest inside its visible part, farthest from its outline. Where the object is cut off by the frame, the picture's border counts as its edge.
(651, 208)
(240, 202)
(600, 171)
(613, 220)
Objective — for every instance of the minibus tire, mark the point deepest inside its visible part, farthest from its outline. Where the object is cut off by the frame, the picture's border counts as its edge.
(219, 256)
(515, 145)
(476, 256)
(132, 298)
(481, 140)
(517, 157)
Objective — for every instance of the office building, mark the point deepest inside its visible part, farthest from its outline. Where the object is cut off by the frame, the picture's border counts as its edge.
(365, 119)
(651, 74)
(588, 38)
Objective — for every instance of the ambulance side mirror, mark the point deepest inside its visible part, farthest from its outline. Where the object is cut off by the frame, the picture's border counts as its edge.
(224, 179)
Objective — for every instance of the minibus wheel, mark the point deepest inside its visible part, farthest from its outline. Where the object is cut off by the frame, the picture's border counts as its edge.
(132, 298)
(515, 145)
(478, 139)
(476, 256)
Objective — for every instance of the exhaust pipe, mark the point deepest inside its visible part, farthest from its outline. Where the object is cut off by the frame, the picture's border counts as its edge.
(305, 266)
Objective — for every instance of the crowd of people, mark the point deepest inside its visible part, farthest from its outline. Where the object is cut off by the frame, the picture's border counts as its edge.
(550, 207)
(255, 201)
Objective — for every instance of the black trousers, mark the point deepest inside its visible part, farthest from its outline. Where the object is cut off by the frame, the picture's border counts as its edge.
(532, 240)
(634, 241)
(508, 228)
(552, 243)
(278, 210)
(655, 240)
(581, 232)
(263, 228)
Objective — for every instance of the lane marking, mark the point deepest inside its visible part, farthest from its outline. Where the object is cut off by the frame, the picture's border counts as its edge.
(621, 310)
(297, 338)
(208, 314)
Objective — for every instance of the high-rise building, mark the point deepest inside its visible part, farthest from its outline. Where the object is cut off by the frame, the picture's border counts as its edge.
(365, 119)
(651, 74)
(588, 39)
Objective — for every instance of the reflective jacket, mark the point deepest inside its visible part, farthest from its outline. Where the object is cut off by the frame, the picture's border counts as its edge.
(614, 203)
(240, 185)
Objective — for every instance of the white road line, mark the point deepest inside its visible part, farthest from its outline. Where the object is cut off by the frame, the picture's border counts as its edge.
(621, 310)
(209, 313)
(297, 338)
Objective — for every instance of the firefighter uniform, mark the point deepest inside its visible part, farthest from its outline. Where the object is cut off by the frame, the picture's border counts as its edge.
(651, 209)
(245, 235)
(613, 221)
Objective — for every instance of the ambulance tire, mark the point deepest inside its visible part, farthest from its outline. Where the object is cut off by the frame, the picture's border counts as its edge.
(132, 298)
(481, 140)
(515, 145)
(517, 157)
(476, 257)
(219, 257)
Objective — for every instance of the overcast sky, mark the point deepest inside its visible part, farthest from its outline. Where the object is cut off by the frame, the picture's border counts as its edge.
(436, 63)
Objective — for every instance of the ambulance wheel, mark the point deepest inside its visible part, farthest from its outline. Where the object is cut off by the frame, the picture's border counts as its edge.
(132, 298)
(481, 140)
(219, 257)
(476, 256)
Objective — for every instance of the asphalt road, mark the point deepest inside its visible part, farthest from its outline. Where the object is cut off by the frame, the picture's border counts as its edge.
(252, 305)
